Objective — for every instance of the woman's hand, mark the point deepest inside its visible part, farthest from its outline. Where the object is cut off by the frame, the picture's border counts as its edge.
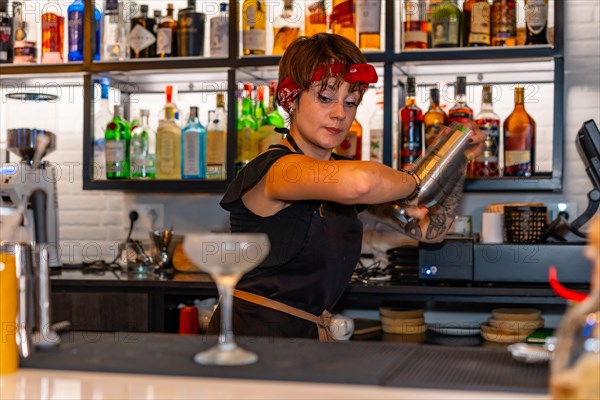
(477, 141)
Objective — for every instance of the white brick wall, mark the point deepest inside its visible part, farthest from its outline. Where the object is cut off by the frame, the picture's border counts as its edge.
(92, 222)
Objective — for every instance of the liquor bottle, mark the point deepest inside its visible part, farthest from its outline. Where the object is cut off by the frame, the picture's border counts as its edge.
(168, 145)
(166, 35)
(102, 116)
(435, 118)
(287, 27)
(219, 33)
(193, 148)
(254, 27)
(6, 34)
(536, 21)
(142, 148)
(431, 7)
(75, 27)
(461, 111)
(142, 39)
(414, 26)
(410, 143)
(25, 35)
(368, 20)
(504, 23)
(117, 138)
(97, 29)
(476, 23)
(53, 27)
(351, 147)
(115, 31)
(247, 126)
(268, 118)
(190, 31)
(376, 129)
(519, 139)
(316, 18)
(489, 123)
(216, 142)
(446, 25)
(342, 20)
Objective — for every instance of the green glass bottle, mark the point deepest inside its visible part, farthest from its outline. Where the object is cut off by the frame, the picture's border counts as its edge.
(117, 137)
(446, 23)
(271, 120)
(247, 131)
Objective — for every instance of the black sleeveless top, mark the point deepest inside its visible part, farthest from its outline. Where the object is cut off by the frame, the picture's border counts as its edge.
(315, 246)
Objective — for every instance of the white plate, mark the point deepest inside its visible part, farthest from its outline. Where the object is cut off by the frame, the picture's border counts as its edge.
(455, 329)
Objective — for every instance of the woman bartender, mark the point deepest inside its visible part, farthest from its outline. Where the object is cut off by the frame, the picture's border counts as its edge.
(305, 197)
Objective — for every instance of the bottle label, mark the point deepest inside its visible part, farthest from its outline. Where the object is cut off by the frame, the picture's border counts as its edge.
(163, 39)
(504, 19)
(368, 16)
(165, 160)
(254, 40)
(492, 131)
(516, 157)
(413, 32)
(215, 147)
(51, 33)
(536, 15)
(191, 153)
(459, 117)
(342, 14)
(141, 38)
(219, 34)
(445, 33)
(75, 30)
(480, 23)
(376, 145)
(115, 153)
(348, 147)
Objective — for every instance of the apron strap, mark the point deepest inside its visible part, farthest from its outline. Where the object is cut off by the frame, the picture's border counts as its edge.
(323, 321)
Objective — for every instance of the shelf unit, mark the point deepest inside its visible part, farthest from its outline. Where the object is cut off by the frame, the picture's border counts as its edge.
(389, 58)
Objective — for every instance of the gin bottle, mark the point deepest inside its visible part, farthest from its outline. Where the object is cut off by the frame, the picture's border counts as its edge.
(193, 148)
(117, 140)
(141, 149)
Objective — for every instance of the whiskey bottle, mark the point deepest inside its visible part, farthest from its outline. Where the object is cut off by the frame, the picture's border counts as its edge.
(219, 33)
(190, 31)
(254, 27)
(414, 26)
(368, 19)
(519, 139)
(316, 18)
(376, 130)
(435, 118)
(351, 147)
(216, 142)
(6, 34)
(504, 23)
(476, 23)
(410, 143)
(536, 21)
(488, 121)
(193, 148)
(142, 39)
(166, 35)
(461, 111)
(446, 21)
(247, 131)
(287, 27)
(53, 27)
(117, 138)
(342, 20)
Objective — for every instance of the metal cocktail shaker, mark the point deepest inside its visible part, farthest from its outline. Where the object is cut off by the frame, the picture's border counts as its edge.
(439, 169)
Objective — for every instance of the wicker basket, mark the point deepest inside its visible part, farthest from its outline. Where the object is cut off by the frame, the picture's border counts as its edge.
(499, 207)
(525, 224)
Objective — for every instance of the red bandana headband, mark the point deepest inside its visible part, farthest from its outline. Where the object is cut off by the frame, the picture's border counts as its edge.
(288, 90)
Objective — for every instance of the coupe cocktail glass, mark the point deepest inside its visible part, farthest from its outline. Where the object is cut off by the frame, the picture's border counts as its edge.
(226, 257)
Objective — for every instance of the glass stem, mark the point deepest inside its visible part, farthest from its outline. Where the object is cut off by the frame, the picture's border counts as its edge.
(226, 340)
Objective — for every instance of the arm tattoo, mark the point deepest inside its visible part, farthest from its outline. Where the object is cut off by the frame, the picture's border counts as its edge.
(442, 214)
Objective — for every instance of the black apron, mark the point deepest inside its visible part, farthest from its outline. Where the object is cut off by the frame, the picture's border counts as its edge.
(315, 247)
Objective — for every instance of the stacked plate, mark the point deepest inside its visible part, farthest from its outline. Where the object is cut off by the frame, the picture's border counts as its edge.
(511, 325)
(402, 321)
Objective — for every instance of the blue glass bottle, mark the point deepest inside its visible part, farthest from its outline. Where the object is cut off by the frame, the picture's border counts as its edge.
(75, 24)
(98, 32)
(193, 148)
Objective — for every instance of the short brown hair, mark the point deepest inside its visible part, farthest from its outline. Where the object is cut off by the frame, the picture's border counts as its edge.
(306, 54)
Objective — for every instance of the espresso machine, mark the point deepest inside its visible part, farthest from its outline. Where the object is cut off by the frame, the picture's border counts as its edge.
(19, 180)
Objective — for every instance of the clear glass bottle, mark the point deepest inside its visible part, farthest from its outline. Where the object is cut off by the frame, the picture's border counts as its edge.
(368, 21)
(445, 27)
(488, 121)
(168, 146)
(316, 18)
(519, 139)
(115, 32)
(102, 116)
(287, 27)
(75, 26)
(142, 37)
(216, 142)
(247, 131)
(53, 33)
(376, 129)
(254, 38)
(410, 143)
(6, 34)
(219, 32)
(142, 154)
(25, 34)
(342, 20)
(193, 148)
(435, 118)
(414, 25)
(117, 138)
(166, 35)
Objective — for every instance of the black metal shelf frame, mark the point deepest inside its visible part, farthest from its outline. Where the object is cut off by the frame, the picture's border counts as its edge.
(388, 58)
